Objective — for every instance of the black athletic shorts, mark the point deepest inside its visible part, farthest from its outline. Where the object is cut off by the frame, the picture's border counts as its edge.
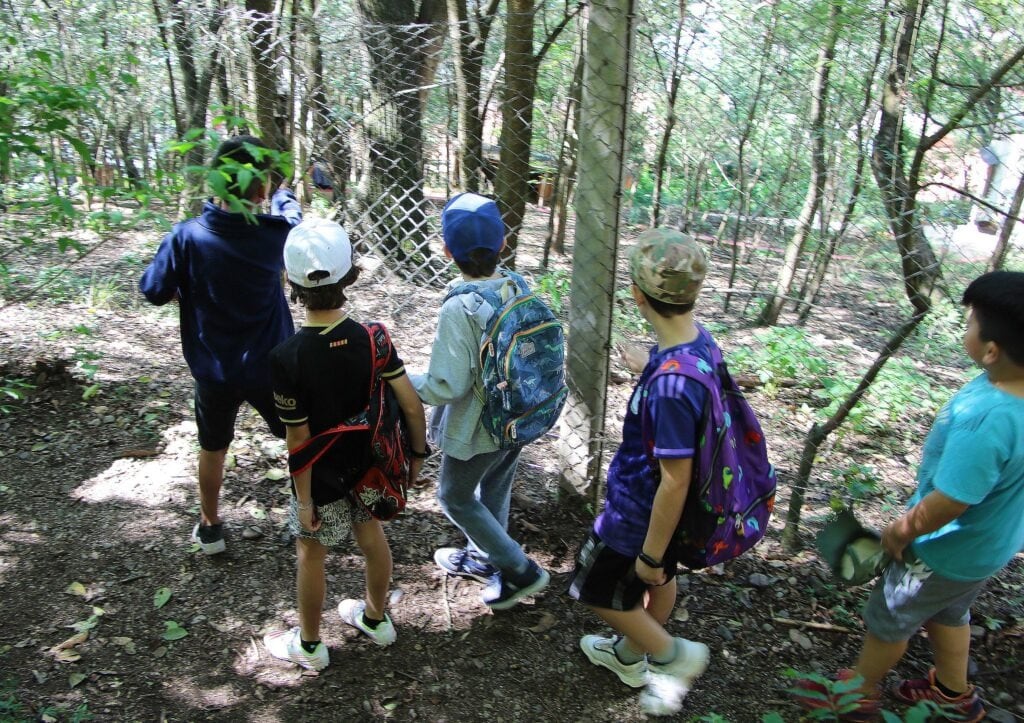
(605, 578)
(217, 406)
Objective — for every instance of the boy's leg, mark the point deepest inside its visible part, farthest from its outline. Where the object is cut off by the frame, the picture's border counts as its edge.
(211, 478)
(457, 493)
(374, 545)
(311, 586)
(496, 484)
(643, 633)
(951, 647)
(660, 600)
(877, 657)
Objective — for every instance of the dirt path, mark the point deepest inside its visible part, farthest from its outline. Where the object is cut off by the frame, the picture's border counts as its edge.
(97, 503)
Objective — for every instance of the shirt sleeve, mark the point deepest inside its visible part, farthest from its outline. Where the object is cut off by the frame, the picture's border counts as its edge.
(160, 282)
(288, 401)
(452, 370)
(675, 416)
(973, 455)
(283, 203)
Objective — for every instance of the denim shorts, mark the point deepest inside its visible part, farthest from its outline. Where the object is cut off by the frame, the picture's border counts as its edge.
(605, 578)
(217, 406)
(908, 596)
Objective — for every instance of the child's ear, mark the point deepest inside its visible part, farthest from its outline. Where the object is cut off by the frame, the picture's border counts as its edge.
(447, 252)
(990, 354)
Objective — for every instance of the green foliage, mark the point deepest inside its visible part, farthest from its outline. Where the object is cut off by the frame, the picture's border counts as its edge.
(857, 482)
(12, 390)
(553, 286)
(783, 353)
(899, 392)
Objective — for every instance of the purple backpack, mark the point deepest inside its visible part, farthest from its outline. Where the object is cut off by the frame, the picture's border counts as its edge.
(732, 492)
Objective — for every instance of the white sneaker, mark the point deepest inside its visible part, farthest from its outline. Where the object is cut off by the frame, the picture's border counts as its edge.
(351, 612)
(691, 660)
(287, 645)
(663, 695)
(601, 651)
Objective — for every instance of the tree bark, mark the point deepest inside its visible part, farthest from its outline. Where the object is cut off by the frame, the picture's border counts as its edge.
(816, 183)
(674, 80)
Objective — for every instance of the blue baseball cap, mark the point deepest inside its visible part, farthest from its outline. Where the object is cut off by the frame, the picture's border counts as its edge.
(470, 221)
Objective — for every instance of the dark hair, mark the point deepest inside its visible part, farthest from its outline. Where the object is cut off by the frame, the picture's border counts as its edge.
(481, 263)
(997, 300)
(324, 298)
(234, 150)
(663, 308)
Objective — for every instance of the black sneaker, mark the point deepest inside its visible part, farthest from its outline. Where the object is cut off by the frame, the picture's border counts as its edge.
(459, 562)
(209, 537)
(504, 592)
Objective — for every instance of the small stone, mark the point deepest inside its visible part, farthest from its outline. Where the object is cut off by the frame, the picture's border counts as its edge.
(977, 631)
(760, 580)
(724, 633)
(251, 532)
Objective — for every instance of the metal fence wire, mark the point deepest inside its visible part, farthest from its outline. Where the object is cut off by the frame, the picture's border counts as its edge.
(848, 166)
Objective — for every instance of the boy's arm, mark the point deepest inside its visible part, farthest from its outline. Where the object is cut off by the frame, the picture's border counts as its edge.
(415, 419)
(450, 375)
(665, 514)
(933, 512)
(159, 284)
(283, 203)
(294, 436)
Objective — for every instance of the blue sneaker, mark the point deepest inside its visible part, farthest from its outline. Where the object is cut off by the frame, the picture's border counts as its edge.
(460, 563)
(504, 591)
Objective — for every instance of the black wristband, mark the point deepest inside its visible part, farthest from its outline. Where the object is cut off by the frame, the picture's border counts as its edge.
(650, 561)
(427, 451)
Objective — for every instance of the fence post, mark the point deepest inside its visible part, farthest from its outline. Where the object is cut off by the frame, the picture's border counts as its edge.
(603, 115)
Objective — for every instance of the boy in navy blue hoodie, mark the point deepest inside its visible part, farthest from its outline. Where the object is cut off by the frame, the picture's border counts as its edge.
(224, 270)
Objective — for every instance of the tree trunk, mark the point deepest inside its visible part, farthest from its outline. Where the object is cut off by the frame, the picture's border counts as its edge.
(605, 107)
(271, 108)
(816, 183)
(468, 50)
(674, 79)
(565, 180)
(511, 184)
(1003, 242)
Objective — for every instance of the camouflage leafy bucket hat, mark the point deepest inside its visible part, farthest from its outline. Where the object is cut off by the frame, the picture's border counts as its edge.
(668, 265)
(854, 552)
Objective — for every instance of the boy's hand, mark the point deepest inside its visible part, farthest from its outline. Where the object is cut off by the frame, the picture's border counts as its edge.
(893, 541)
(415, 465)
(633, 356)
(650, 575)
(309, 520)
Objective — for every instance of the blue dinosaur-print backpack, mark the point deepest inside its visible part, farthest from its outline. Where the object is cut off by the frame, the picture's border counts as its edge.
(732, 492)
(522, 359)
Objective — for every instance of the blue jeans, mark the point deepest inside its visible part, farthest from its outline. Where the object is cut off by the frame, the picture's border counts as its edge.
(475, 494)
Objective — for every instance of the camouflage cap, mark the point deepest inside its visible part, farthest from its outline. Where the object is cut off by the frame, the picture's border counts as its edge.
(668, 265)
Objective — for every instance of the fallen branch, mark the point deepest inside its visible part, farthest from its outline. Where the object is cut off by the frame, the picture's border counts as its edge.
(817, 626)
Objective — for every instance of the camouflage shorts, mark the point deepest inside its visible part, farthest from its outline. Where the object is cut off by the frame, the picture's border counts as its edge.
(336, 520)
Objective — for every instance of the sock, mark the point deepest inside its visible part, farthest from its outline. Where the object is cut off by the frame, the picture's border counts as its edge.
(370, 622)
(669, 655)
(625, 654)
(309, 645)
(946, 691)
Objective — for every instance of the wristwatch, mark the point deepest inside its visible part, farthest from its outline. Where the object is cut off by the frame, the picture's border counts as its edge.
(650, 561)
(427, 451)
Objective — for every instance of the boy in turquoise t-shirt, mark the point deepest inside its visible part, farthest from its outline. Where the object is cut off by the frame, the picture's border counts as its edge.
(964, 523)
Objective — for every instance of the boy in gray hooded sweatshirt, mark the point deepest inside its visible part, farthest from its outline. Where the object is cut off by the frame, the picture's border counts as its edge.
(475, 481)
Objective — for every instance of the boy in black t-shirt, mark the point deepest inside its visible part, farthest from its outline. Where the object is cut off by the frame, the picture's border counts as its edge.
(321, 378)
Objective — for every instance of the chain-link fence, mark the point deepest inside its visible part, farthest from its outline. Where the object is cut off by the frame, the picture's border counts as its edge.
(849, 168)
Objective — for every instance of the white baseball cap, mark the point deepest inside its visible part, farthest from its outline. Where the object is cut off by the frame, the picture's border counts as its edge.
(317, 253)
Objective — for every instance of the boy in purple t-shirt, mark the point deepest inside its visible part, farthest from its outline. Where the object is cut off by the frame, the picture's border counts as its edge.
(626, 569)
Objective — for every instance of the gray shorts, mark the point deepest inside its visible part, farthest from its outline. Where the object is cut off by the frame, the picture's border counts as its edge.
(908, 596)
(336, 520)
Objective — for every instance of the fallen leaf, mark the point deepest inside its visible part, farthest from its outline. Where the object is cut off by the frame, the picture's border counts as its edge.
(75, 588)
(258, 513)
(546, 622)
(159, 652)
(75, 678)
(681, 614)
(275, 474)
(76, 639)
(161, 596)
(68, 656)
(173, 631)
(40, 677)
